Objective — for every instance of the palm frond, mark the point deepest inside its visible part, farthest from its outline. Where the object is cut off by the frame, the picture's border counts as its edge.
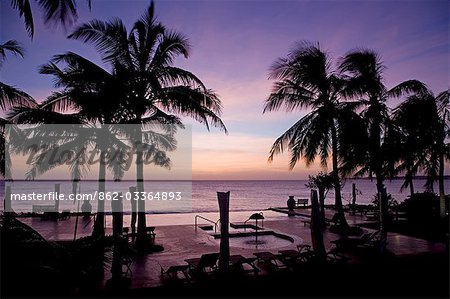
(11, 46)
(24, 8)
(204, 107)
(171, 45)
(11, 96)
(407, 87)
(109, 38)
(288, 94)
(59, 11)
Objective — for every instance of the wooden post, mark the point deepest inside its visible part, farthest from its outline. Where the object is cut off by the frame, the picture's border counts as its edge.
(383, 203)
(132, 191)
(354, 196)
(316, 228)
(117, 213)
(57, 191)
(7, 200)
(224, 205)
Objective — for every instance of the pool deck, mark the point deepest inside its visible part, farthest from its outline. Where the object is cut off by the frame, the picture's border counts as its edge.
(185, 241)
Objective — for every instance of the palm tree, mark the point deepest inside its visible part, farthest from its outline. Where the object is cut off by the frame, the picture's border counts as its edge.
(322, 182)
(91, 95)
(363, 72)
(55, 12)
(305, 80)
(424, 121)
(442, 150)
(10, 96)
(415, 121)
(143, 58)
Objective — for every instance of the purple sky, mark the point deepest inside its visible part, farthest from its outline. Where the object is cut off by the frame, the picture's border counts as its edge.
(233, 45)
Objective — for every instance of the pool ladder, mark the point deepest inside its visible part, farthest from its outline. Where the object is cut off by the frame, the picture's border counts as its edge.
(206, 219)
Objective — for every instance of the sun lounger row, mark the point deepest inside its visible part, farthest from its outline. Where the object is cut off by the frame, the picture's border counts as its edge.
(207, 264)
(368, 240)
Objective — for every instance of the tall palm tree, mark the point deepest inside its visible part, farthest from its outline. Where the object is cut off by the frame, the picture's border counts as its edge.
(10, 96)
(416, 121)
(363, 72)
(143, 58)
(90, 95)
(55, 12)
(305, 80)
(424, 121)
(442, 149)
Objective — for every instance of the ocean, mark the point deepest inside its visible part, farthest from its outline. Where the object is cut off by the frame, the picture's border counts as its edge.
(200, 196)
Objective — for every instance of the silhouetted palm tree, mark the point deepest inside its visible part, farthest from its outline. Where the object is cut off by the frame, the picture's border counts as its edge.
(10, 96)
(442, 149)
(363, 71)
(143, 59)
(414, 121)
(89, 95)
(62, 12)
(424, 121)
(305, 80)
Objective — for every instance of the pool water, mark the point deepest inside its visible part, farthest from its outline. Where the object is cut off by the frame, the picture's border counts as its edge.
(265, 241)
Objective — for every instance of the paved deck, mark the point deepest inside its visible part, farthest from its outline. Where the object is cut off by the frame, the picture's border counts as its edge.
(184, 241)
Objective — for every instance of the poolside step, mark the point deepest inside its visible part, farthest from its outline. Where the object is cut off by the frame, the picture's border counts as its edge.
(206, 227)
(286, 211)
(244, 225)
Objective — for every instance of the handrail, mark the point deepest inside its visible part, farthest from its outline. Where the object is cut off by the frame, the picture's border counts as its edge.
(209, 220)
(217, 223)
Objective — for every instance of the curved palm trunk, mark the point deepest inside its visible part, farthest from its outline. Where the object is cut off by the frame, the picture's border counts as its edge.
(336, 179)
(376, 157)
(383, 204)
(322, 206)
(409, 176)
(409, 179)
(141, 222)
(411, 187)
(441, 187)
(99, 225)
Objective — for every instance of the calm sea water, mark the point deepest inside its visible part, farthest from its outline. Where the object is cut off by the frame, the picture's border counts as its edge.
(200, 196)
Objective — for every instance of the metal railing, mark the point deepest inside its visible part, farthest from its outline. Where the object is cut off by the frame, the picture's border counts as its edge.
(206, 219)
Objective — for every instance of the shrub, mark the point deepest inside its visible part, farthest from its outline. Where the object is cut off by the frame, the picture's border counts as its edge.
(421, 207)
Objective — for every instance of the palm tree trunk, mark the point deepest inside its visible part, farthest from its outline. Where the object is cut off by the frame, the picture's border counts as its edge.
(409, 177)
(376, 163)
(411, 187)
(441, 187)
(322, 206)
(383, 205)
(142, 225)
(336, 179)
(99, 225)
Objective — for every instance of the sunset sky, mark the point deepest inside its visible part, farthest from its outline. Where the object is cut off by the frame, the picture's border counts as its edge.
(233, 45)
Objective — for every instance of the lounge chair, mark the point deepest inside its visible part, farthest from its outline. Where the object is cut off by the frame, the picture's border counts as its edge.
(375, 241)
(173, 273)
(244, 265)
(292, 256)
(206, 264)
(334, 255)
(348, 242)
(276, 261)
